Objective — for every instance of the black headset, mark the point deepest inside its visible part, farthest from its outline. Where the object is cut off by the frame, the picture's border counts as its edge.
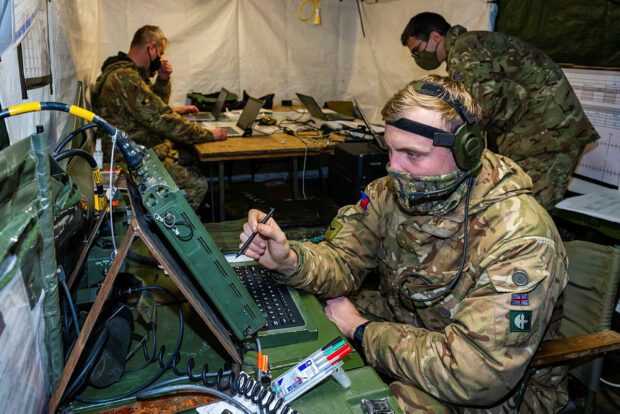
(466, 142)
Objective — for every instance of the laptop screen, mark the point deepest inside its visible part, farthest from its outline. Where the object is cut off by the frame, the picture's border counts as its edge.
(250, 112)
(379, 139)
(311, 106)
(219, 104)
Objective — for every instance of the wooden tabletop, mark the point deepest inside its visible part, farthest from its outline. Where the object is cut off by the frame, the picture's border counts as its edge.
(263, 146)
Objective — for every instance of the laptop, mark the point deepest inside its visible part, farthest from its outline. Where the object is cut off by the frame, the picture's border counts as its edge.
(315, 110)
(244, 294)
(216, 111)
(379, 138)
(247, 118)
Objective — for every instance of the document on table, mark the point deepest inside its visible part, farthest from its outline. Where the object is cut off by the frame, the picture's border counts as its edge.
(603, 205)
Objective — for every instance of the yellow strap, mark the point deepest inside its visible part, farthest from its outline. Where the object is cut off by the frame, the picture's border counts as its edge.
(23, 108)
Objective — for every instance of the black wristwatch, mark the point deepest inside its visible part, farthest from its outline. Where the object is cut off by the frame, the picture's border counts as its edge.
(358, 335)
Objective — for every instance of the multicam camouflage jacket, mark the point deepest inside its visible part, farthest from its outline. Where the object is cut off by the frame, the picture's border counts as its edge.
(471, 347)
(124, 96)
(529, 107)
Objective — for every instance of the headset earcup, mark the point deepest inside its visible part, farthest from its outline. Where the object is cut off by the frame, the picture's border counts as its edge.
(468, 147)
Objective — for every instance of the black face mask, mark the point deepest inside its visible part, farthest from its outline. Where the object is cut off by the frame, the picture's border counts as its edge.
(155, 64)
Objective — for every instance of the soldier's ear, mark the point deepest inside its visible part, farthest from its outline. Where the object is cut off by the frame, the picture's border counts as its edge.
(436, 36)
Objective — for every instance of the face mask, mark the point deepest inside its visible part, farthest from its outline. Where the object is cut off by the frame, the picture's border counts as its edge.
(155, 63)
(407, 186)
(427, 60)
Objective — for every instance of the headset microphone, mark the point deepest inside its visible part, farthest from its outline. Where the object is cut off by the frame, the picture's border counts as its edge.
(437, 193)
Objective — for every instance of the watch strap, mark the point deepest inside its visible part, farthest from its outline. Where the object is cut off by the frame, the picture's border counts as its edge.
(358, 334)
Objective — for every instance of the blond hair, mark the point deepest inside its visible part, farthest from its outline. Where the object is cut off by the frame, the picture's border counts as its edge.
(408, 98)
(149, 34)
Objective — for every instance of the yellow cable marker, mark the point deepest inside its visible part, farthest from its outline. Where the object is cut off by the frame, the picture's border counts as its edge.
(81, 112)
(23, 108)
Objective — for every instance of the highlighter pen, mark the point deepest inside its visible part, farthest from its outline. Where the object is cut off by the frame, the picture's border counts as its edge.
(334, 358)
(331, 356)
(249, 240)
(320, 354)
(323, 351)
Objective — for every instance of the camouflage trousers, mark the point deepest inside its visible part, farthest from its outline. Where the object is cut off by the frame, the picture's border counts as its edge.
(191, 181)
(550, 174)
(546, 390)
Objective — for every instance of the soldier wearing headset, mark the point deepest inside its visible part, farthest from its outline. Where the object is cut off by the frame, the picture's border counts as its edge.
(471, 267)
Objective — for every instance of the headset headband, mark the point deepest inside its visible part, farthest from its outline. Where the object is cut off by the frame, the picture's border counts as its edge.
(438, 91)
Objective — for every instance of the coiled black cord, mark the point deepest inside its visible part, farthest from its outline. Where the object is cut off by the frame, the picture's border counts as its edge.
(260, 395)
(163, 365)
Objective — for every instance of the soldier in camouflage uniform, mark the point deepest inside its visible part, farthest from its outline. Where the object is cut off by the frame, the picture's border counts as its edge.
(124, 96)
(530, 112)
(470, 278)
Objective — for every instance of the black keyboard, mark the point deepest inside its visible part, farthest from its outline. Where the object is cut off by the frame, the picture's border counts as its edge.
(273, 300)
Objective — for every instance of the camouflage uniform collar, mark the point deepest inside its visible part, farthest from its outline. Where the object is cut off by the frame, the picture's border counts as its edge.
(453, 33)
(121, 60)
(499, 179)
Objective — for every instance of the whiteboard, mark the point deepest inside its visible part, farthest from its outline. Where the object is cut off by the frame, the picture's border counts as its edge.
(599, 94)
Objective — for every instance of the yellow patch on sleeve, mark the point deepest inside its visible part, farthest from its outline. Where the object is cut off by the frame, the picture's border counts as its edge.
(146, 100)
(334, 228)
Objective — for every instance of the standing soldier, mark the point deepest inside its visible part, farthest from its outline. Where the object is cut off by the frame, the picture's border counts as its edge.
(530, 112)
(471, 267)
(124, 96)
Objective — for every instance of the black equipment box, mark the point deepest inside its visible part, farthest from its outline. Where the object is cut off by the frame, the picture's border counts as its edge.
(353, 166)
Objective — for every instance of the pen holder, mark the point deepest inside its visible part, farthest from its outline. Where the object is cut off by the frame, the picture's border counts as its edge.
(303, 377)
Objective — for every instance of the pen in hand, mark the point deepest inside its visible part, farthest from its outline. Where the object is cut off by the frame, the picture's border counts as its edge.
(249, 240)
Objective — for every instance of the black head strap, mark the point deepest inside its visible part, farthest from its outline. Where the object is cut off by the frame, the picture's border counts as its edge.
(440, 137)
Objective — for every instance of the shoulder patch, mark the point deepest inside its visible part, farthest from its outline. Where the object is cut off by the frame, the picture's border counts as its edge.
(334, 228)
(520, 321)
(147, 100)
(520, 299)
(364, 201)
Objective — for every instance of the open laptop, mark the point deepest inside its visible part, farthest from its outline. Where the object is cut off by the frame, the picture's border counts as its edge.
(379, 138)
(243, 294)
(216, 111)
(247, 118)
(315, 110)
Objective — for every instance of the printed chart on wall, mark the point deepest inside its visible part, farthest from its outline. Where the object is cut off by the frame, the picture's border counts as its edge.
(599, 94)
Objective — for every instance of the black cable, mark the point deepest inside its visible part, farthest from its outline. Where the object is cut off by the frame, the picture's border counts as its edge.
(359, 12)
(76, 153)
(142, 259)
(92, 358)
(457, 277)
(69, 301)
(163, 366)
(81, 130)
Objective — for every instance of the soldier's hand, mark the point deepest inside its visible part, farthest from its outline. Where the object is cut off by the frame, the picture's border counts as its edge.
(165, 70)
(344, 314)
(270, 247)
(187, 109)
(219, 134)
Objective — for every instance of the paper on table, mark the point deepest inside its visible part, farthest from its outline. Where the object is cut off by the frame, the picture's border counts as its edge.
(603, 205)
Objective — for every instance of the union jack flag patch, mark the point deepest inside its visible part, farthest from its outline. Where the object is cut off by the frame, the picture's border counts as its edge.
(364, 201)
(520, 299)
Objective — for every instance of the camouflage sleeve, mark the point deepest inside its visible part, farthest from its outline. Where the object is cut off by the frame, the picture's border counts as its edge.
(163, 89)
(499, 96)
(482, 354)
(338, 265)
(152, 113)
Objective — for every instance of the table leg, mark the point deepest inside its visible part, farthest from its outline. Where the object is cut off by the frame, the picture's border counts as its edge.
(222, 186)
(295, 178)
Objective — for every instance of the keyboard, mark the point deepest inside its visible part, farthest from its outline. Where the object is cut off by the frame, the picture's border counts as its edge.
(273, 300)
